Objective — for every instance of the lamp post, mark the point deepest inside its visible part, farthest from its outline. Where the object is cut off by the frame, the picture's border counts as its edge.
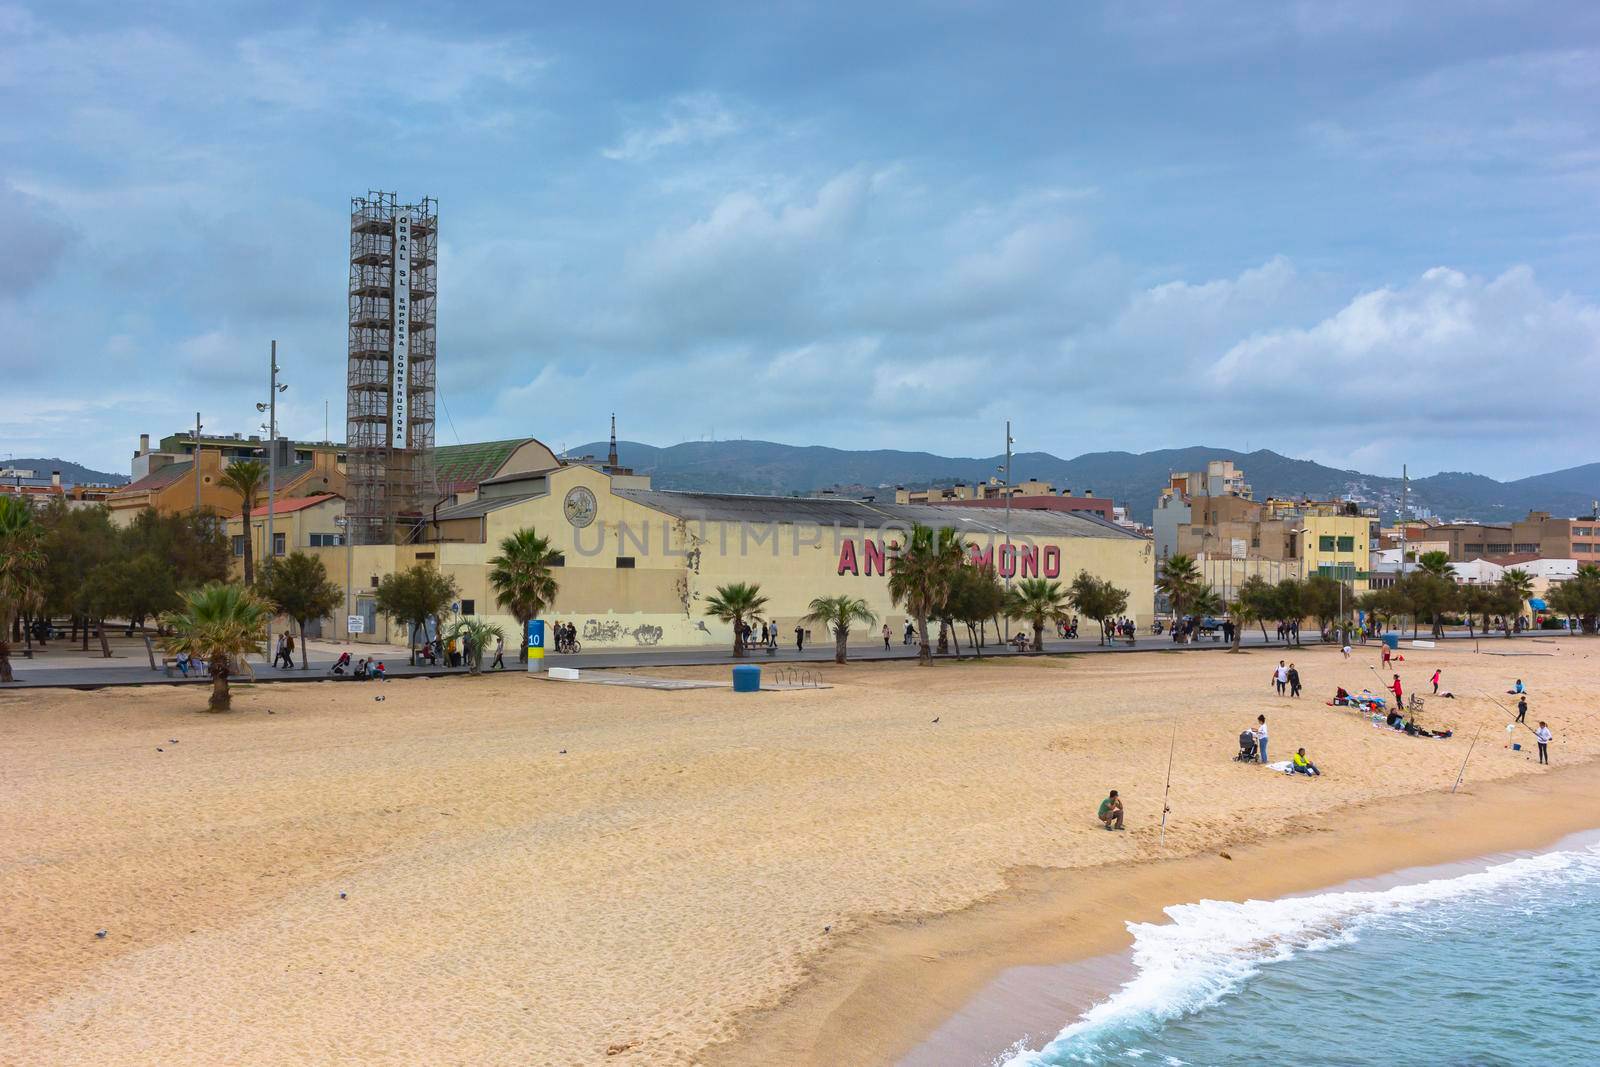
(270, 408)
(344, 535)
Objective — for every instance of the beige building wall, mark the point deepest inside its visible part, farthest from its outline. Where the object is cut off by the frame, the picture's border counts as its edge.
(678, 564)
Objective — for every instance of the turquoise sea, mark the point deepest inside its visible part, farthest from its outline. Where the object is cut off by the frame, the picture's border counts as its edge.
(1497, 966)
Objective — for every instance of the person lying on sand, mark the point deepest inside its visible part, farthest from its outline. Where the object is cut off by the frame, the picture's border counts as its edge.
(1111, 812)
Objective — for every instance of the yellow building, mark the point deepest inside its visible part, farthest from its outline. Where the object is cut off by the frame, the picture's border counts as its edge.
(298, 523)
(1338, 546)
(638, 564)
(170, 489)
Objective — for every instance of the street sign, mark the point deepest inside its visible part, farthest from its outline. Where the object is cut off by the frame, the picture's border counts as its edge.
(355, 624)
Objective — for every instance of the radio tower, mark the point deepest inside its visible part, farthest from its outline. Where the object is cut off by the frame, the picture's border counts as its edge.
(391, 373)
(611, 457)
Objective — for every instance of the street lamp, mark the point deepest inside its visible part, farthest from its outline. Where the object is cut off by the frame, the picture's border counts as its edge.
(344, 535)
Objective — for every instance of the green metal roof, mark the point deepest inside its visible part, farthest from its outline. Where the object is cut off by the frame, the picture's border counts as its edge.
(464, 466)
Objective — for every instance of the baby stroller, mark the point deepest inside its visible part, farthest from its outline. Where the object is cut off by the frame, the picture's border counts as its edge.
(1247, 748)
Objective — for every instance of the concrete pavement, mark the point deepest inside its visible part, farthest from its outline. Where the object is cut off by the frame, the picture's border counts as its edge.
(127, 670)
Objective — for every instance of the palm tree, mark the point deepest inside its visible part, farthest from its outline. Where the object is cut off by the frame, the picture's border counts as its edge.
(298, 586)
(837, 613)
(1178, 581)
(245, 477)
(920, 577)
(1038, 600)
(217, 623)
(734, 604)
(1242, 613)
(22, 570)
(1519, 582)
(474, 634)
(522, 579)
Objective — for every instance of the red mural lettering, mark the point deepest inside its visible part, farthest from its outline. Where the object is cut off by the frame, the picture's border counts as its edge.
(874, 554)
(847, 558)
(1030, 561)
(1052, 561)
(1008, 560)
(981, 557)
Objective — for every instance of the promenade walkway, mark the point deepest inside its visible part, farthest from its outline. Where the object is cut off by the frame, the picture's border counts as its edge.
(130, 666)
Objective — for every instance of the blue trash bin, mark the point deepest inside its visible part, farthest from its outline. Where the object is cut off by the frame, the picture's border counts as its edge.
(1393, 641)
(747, 678)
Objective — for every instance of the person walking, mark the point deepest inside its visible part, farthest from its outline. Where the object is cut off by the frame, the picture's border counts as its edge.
(886, 637)
(1111, 811)
(799, 638)
(1544, 736)
(499, 663)
(1436, 672)
(1280, 677)
(1260, 734)
(1294, 681)
(288, 650)
(911, 631)
(1522, 710)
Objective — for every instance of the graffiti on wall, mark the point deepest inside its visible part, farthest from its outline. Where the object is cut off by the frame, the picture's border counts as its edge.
(612, 630)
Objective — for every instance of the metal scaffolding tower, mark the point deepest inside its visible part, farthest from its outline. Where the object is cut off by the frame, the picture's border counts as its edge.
(392, 371)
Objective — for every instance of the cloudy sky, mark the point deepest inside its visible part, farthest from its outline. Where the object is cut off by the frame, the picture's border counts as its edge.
(1360, 233)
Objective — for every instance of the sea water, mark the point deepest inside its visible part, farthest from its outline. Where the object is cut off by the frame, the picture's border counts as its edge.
(1499, 966)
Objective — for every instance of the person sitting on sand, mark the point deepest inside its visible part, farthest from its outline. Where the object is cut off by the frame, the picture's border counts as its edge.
(1111, 811)
(1341, 696)
(1300, 765)
(1517, 689)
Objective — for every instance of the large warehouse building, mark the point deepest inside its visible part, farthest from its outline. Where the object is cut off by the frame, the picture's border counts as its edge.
(638, 564)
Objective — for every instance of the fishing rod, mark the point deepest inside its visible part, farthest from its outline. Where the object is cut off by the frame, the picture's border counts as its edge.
(1172, 748)
(1462, 773)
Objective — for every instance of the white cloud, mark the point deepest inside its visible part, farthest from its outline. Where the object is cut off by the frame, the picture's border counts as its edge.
(690, 119)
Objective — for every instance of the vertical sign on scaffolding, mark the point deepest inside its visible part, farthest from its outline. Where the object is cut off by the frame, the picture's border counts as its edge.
(401, 303)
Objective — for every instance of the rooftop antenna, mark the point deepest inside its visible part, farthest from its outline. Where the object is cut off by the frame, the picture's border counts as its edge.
(611, 457)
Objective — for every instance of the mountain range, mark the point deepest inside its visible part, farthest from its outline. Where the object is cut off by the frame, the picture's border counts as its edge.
(1131, 479)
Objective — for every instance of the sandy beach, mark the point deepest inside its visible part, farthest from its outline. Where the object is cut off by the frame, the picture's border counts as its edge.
(541, 872)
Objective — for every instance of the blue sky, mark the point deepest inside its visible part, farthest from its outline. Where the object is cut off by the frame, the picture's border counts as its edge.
(1360, 233)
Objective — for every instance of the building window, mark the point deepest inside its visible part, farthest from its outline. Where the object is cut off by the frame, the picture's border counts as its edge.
(1498, 549)
(326, 540)
(238, 544)
(279, 543)
(469, 607)
(424, 555)
(557, 560)
(1347, 544)
(1582, 531)
(625, 563)
(1528, 547)
(1325, 544)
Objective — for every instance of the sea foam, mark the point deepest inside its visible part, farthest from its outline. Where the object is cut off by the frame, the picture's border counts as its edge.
(1211, 948)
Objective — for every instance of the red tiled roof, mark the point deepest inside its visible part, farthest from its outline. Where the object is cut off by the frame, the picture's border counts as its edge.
(292, 504)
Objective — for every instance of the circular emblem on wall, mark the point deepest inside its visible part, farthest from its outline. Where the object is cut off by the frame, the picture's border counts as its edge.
(580, 506)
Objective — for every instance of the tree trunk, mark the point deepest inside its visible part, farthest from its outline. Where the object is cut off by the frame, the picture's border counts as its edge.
(738, 637)
(839, 639)
(221, 699)
(1238, 636)
(955, 639)
(411, 638)
(249, 554)
(924, 653)
(1038, 635)
(304, 663)
(100, 632)
(85, 647)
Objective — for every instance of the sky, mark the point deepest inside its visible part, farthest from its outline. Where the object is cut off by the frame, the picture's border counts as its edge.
(1360, 233)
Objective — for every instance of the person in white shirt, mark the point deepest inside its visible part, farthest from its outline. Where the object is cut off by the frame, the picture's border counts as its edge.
(1260, 733)
(1544, 735)
(1280, 677)
(1346, 650)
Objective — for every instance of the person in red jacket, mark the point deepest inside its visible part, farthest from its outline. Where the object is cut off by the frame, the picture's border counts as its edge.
(1436, 673)
(1395, 685)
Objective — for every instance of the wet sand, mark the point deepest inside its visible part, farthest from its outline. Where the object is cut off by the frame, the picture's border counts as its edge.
(701, 876)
